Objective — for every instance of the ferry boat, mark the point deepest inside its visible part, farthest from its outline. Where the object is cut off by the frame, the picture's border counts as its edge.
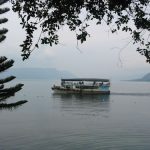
(82, 86)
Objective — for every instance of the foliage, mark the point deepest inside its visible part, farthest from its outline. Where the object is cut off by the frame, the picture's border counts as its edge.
(3, 20)
(12, 105)
(6, 93)
(4, 65)
(131, 16)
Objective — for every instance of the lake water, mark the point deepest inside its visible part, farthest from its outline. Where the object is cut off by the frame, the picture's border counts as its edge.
(120, 121)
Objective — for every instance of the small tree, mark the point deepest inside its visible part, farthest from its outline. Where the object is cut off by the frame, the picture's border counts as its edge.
(3, 20)
(4, 65)
(8, 92)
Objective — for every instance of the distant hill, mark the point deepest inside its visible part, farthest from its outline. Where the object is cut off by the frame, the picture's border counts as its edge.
(38, 73)
(145, 78)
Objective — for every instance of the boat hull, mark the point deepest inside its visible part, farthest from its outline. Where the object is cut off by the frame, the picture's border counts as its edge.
(79, 91)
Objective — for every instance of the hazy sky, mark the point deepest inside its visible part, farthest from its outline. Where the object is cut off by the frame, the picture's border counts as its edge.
(99, 56)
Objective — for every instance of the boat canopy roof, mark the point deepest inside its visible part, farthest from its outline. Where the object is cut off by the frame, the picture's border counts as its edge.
(86, 79)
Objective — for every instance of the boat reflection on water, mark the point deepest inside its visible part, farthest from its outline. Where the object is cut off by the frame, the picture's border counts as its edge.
(90, 97)
(83, 104)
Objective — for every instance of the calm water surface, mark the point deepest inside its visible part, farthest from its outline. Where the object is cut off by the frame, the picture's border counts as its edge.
(120, 121)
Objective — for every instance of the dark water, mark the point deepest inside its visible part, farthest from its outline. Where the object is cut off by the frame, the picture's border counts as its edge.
(120, 121)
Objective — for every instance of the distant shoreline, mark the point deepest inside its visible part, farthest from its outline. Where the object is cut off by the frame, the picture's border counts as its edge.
(135, 80)
(145, 78)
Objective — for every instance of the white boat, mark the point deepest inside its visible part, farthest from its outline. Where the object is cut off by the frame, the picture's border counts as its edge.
(83, 86)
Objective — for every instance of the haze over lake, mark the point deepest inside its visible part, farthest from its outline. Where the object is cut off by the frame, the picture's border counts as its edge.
(120, 120)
